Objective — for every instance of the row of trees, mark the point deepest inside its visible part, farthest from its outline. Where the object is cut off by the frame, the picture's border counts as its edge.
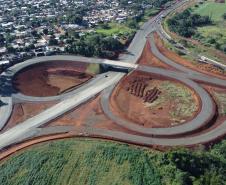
(185, 23)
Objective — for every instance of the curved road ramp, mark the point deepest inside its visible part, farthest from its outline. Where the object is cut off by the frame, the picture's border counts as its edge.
(104, 84)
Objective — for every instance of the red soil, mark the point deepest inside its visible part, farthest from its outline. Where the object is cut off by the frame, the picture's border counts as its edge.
(149, 59)
(80, 117)
(23, 111)
(13, 149)
(50, 79)
(89, 114)
(133, 108)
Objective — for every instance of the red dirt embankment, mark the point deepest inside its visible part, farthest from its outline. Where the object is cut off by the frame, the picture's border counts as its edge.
(149, 59)
(50, 79)
(203, 68)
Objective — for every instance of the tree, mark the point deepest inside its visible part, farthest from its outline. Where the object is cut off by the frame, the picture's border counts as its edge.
(224, 16)
(10, 49)
(34, 33)
(132, 24)
(2, 40)
(224, 48)
(45, 31)
(53, 41)
(186, 23)
(76, 19)
(105, 26)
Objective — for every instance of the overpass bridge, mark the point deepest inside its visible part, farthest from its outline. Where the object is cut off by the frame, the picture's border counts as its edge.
(116, 64)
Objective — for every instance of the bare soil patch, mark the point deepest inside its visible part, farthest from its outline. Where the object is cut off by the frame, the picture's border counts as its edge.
(149, 59)
(89, 114)
(175, 104)
(23, 111)
(50, 79)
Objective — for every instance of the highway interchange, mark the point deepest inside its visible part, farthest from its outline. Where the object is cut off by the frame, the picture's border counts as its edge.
(104, 84)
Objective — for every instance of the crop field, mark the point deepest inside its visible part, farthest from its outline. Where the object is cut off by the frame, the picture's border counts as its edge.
(73, 162)
(95, 162)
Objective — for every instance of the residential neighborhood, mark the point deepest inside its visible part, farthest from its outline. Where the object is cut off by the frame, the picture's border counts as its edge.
(40, 27)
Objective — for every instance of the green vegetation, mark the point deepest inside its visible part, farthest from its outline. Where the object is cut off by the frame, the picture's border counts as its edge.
(127, 28)
(180, 96)
(150, 12)
(108, 39)
(93, 69)
(114, 29)
(185, 104)
(185, 23)
(94, 44)
(221, 102)
(195, 50)
(213, 35)
(211, 9)
(93, 162)
(224, 16)
(210, 35)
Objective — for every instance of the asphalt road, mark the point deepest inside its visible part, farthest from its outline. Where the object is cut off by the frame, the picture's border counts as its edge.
(6, 106)
(189, 73)
(203, 138)
(29, 127)
(39, 60)
(203, 117)
(9, 95)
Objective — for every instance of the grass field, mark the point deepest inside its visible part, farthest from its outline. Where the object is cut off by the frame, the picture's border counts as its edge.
(218, 33)
(115, 28)
(210, 36)
(212, 9)
(213, 35)
(95, 162)
(180, 96)
(93, 69)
